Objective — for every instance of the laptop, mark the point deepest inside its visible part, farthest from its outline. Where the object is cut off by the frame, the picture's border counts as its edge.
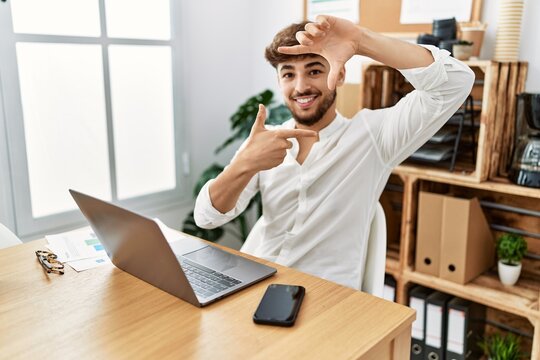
(190, 269)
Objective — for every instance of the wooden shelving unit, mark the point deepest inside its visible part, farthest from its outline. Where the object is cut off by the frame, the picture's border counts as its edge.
(494, 93)
(487, 290)
(522, 299)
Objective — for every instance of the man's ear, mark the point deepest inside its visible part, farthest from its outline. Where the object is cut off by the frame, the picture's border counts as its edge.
(341, 77)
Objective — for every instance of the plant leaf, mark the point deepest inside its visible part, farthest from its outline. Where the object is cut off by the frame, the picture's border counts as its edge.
(211, 173)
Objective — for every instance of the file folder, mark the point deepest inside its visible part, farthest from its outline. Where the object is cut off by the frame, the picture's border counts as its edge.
(467, 247)
(436, 313)
(465, 326)
(389, 290)
(428, 233)
(417, 301)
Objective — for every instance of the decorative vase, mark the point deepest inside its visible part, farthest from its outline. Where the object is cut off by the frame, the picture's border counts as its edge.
(508, 30)
(462, 52)
(508, 274)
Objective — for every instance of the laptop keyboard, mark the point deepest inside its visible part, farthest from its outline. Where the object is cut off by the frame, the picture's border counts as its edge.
(204, 281)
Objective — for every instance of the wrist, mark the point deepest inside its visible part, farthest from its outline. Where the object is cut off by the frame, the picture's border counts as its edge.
(359, 40)
(364, 41)
(243, 167)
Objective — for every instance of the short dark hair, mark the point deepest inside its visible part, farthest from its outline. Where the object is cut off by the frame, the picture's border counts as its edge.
(286, 37)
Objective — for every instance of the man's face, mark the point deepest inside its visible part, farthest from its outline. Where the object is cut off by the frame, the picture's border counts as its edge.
(303, 83)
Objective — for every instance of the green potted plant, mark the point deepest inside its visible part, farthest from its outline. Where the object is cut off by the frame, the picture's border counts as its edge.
(510, 251)
(241, 122)
(498, 347)
(462, 50)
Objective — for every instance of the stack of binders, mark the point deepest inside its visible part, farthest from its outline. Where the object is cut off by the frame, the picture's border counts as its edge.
(446, 327)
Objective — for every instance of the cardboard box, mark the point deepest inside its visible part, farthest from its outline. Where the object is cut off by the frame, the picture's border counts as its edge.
(467, 247)
(454, 241)
(428, 233)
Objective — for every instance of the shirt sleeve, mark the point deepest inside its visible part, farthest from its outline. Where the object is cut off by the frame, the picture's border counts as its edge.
(440, 89)
(208, 217)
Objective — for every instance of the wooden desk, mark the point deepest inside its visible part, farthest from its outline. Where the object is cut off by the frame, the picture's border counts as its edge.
(105, 313)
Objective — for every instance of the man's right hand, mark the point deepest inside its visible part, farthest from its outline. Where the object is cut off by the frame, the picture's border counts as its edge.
(266, 149)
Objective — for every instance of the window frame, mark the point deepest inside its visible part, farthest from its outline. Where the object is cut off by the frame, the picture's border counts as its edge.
(15, 209)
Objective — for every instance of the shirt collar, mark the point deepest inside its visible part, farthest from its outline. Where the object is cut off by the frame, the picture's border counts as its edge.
(331, 128)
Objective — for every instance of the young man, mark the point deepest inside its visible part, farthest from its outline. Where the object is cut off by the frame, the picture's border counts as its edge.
(320, 175)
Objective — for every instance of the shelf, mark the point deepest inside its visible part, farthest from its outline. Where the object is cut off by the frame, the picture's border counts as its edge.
(460, 180)
(431, 173)
(392, 265)
(494, 105)
(521, 299)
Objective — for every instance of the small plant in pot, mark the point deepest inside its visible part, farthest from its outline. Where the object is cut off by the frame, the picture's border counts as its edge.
(462, 50)
(510, 251)
(499, 347)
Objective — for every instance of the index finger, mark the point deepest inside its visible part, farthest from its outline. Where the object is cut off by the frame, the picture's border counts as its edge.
(295, 50)
(294, 133)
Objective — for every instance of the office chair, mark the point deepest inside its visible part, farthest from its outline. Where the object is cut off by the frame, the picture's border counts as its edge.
(7, 238)
(374, 269)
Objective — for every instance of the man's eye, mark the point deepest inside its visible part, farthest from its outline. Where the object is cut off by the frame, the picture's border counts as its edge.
(287, 75)
(315, 72)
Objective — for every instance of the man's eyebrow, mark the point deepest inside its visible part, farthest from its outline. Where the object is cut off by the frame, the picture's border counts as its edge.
(314, 63)
(286, 67)
(307, 66)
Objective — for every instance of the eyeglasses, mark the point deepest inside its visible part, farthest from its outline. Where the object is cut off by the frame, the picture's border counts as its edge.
(48, 260)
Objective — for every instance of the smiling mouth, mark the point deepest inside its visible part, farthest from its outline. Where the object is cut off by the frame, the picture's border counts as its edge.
(305, 101)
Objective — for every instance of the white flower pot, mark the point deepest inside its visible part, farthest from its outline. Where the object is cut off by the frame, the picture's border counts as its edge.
(509, 274)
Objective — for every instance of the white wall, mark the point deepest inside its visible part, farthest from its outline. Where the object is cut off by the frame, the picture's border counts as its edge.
(217, 72)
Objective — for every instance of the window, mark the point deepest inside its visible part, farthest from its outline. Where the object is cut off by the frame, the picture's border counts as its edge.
(90, 103)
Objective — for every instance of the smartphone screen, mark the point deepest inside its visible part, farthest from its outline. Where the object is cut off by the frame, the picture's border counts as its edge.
(279, 305)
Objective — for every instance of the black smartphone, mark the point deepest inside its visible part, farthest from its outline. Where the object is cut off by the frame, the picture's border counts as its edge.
(279, 305)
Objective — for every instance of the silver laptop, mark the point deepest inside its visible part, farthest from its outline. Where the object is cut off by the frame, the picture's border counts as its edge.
(189, 268)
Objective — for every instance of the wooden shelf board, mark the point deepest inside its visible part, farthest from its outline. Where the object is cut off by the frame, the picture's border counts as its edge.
(478, 63)
(435, 173)
(453, 179)
(520, 299)
(392, 265)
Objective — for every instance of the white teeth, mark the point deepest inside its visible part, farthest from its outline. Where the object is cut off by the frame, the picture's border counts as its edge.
(304, 100)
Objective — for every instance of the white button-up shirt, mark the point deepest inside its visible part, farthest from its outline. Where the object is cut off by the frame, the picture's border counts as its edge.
(317, 216)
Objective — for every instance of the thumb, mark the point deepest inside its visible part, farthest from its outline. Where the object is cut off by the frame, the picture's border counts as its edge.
(258, 125)
(333, 75)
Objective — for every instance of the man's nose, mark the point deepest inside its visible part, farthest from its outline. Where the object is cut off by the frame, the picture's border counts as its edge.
(302, 84)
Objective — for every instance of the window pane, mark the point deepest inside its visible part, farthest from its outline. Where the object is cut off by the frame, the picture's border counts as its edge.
(65, 124)
(56, 17)
(138, 19)
(141, 94)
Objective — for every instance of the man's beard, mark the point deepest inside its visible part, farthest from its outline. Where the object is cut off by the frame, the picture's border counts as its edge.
(320, 111)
